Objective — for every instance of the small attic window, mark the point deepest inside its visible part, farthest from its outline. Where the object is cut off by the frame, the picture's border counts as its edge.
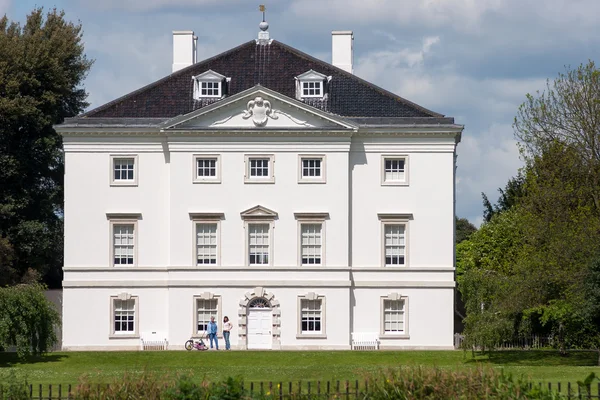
(311, 84)
(210, 84)
(312, 89)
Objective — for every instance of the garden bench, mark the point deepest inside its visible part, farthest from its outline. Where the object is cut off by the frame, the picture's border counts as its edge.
(154, 341)
(365, 341)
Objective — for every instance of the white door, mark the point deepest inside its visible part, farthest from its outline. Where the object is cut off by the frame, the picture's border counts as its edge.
(260, 323)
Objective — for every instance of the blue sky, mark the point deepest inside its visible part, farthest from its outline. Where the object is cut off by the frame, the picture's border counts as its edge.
(471, 59)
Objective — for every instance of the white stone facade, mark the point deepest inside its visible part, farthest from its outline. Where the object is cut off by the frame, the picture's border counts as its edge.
(160, 285)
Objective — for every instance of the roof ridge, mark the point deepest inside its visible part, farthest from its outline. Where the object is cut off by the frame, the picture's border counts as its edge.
(161, 80)
(363, 81)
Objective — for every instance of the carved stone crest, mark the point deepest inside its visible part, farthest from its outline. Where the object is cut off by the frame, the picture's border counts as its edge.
(260, 110)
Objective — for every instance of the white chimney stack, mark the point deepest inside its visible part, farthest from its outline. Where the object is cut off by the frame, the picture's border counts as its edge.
(342, 52)
(184, 49)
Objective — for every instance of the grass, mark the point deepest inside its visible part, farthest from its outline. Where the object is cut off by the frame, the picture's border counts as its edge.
(66, 368)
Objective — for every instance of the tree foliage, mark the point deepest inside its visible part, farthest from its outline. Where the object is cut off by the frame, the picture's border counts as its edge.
(509, 196)
(42, 65)
(534, 266)
(27, 319)
(464, 229)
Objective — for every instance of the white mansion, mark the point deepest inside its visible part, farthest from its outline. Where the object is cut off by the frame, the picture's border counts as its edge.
(265, 185)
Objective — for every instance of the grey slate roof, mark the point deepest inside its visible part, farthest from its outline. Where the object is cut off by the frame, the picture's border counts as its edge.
(274, 66)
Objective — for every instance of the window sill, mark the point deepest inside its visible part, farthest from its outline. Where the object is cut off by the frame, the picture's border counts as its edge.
(391, 183)
(206, 181)
(389, 336)
(116, 184)
(128, 336)
(270, 180)
(304, 181)
(309, 336)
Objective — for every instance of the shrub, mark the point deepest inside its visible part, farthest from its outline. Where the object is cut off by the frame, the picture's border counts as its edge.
(27, 319)
(145, 386)
(417, 383)
(15, 388)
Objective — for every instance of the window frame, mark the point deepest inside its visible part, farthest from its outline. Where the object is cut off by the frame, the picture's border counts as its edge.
(271, 225)
(405, 181)
(206, 218)
(198, 179)
(250, 179)
(394, 297)
(136, 322)
(395, 219)
(218, 317)
(123, 182)
(308, 179)
(318, 84)
(307, 335)
(311, 218)
(217, 223)
(124, 220)
(218, 88)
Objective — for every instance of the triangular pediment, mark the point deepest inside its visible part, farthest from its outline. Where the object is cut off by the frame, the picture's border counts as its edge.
(209, 75)
(311, 75)
(258, 212)
(257, 108)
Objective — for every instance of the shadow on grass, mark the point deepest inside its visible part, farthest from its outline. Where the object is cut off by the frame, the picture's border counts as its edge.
(11, 359)
(539, 358)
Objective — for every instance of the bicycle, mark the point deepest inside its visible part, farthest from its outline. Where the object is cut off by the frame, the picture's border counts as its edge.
(196, 344)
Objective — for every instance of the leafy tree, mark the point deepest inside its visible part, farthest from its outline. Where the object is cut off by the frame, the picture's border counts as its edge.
(532, 267)
(566, 113)
(42, 65)
(464, 229)
(509, 196)
(27, 319)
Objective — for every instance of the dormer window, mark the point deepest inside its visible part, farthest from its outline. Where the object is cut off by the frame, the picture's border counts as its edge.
(209, 84)
(312, 89)
(311, 84)
(210, 89)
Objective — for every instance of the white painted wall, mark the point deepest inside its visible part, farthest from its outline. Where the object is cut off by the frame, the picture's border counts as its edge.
(166, 279)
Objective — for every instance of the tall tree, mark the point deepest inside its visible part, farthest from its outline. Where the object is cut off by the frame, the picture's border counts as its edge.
(533, 267)
(42, 67)
(567, 112)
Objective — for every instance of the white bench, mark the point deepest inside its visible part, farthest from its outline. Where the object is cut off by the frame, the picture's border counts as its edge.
(154, 341)
(365, 341)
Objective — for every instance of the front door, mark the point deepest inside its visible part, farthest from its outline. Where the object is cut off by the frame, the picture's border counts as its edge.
(260, 323)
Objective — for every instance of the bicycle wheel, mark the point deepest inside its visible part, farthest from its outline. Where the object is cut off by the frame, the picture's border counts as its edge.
(189, 345)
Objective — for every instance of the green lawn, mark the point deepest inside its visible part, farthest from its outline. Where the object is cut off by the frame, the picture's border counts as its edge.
(66, 368)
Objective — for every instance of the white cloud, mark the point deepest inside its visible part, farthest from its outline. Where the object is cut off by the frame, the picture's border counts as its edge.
(461, 15)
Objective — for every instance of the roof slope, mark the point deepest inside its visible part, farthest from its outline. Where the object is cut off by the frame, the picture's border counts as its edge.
(274, 66)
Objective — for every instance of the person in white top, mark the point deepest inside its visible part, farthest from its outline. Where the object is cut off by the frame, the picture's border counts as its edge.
(227, 327)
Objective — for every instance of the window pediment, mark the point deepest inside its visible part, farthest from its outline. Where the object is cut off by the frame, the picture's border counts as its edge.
(312, 75)
(210, 75)
(259, 212)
